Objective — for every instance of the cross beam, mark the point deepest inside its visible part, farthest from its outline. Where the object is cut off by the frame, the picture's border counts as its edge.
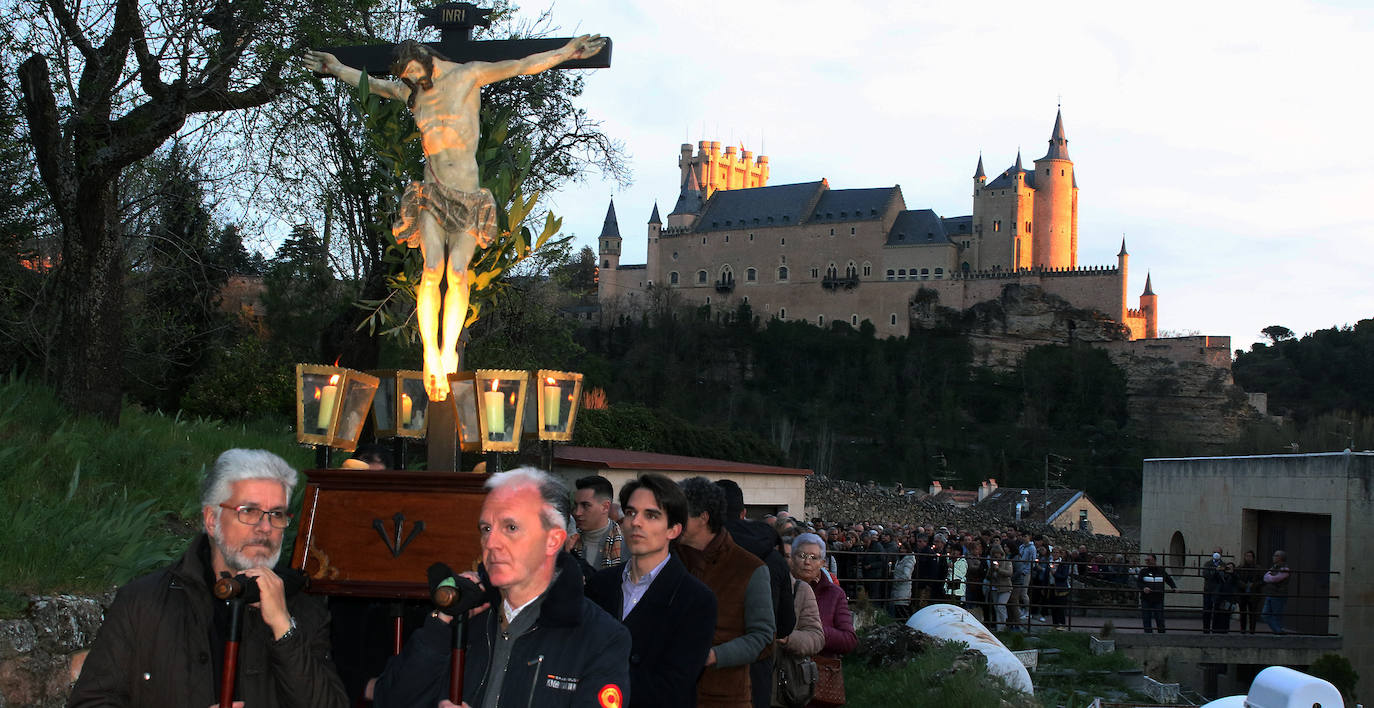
(455, 22)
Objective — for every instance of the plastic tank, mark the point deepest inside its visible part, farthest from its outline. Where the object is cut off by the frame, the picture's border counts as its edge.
(1282, 687)
(955, 623)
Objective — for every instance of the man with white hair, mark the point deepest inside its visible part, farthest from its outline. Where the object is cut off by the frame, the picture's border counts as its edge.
(162, 642)
(537, 641)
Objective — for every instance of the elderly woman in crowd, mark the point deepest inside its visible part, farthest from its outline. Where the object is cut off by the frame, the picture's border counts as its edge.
(808, 553)
(808, 637)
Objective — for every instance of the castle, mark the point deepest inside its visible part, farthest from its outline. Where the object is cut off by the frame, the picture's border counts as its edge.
(808, 252)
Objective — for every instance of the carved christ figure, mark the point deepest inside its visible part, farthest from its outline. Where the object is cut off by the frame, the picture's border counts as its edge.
(449, 214)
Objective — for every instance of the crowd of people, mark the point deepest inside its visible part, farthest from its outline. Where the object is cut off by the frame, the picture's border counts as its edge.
(679, 601)
(660, 593)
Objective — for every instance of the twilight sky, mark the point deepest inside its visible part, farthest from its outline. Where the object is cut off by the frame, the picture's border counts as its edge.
(1228, 141)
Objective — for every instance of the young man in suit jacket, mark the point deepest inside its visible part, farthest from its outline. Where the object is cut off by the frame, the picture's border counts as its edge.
(671, 615)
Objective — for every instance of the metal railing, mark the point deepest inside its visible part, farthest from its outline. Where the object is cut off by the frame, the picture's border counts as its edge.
(1096, 597)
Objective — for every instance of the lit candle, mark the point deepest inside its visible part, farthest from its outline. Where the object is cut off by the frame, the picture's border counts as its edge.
(405, 409)
(496, 411)
(553, 404)
(327, 401)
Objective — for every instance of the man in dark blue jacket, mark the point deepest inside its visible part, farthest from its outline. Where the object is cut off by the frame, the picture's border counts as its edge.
(538, 641)
(670, 614)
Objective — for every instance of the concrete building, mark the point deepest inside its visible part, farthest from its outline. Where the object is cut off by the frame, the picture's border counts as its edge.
(1319, 508)
(808, 252)
(767, 489)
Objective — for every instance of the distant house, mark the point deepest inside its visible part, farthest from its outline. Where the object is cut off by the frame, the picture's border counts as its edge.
(767, 489)
(961, 498)
(1069, 509)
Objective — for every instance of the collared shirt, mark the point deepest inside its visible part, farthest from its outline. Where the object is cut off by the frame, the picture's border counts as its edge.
(631, 591)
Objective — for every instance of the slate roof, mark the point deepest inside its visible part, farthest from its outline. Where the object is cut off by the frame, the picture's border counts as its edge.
(956, 226)
(653, 218)
(1007, 179)
(777, 205)
(610, 229)
(1059, 145)
(854, 204)
(918, 227)
(689, 199)
(1002, 503)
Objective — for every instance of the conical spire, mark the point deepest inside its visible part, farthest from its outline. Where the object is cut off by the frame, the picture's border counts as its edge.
(1018, 160)
(1123, 251)
(1148, 290)
(610, 229)
(979, 174)
(1059, 145)
(689, 200)
(653, 218)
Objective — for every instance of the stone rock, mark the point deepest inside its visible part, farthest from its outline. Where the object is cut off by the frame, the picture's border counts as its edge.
(65, 623)
(16, 638)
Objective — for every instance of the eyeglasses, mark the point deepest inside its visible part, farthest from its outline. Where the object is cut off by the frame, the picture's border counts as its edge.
(806, 557)
(252, 516)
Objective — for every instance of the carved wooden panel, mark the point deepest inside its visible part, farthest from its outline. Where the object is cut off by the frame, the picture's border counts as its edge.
(373, 533)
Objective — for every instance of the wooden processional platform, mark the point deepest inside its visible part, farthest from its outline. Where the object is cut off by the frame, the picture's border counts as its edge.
(374, 533)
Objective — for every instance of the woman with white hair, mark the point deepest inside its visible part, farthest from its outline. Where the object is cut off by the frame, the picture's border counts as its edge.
(807, 637)
(837, 624)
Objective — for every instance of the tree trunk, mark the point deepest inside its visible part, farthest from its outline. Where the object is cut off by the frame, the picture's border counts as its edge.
(89, 370)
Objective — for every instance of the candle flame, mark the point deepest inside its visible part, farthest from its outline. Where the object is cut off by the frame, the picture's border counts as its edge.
(495, 383)
(512, 398)
(550, 380)
(333, 379)
(317, 393)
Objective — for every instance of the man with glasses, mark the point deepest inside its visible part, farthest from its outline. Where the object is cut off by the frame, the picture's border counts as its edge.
(162, 642)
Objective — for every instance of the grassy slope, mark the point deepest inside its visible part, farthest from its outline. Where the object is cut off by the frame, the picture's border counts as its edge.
(89, 506)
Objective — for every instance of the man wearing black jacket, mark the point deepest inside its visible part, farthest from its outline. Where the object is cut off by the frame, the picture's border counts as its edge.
(1152, 579)
(670, 614)
(538, 641)
(763, 541)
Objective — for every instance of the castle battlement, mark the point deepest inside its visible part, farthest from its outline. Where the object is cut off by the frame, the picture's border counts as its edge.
(1036, 272)
(715, 170)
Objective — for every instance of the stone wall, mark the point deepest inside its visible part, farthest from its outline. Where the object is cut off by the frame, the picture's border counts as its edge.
(40, 651)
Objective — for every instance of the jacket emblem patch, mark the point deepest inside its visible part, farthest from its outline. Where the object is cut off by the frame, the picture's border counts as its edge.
(609, 696)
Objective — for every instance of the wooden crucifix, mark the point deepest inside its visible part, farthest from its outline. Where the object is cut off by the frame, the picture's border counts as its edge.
(449, 214)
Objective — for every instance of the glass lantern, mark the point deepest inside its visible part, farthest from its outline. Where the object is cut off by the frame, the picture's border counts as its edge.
(557, 394)
(402, 406)
(331, 405)
(500, 404)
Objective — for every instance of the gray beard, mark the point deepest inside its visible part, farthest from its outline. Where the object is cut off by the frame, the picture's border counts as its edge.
(237, 562)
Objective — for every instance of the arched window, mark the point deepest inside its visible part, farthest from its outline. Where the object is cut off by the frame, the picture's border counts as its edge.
(701, 277)
(782, 273)
(894, 320)
(868, 269)
(782, 313)
(726, 274)
(751, 275)
(815, 272)
(854, 320)
(939, 273)
(831, 271)
(851, 270)
(672, 278)
(606, 263)
(820, 320)
(901, 274)
(891, 274)
(1178, 553)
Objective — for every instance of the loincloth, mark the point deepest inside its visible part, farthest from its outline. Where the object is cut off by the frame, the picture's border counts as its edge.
(455, 211)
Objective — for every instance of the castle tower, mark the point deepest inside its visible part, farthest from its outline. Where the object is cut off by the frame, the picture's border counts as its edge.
(715, 170)
(1054, 219)
(655, 230)
(608, 244)
(1149, 306)
(1123, 259)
